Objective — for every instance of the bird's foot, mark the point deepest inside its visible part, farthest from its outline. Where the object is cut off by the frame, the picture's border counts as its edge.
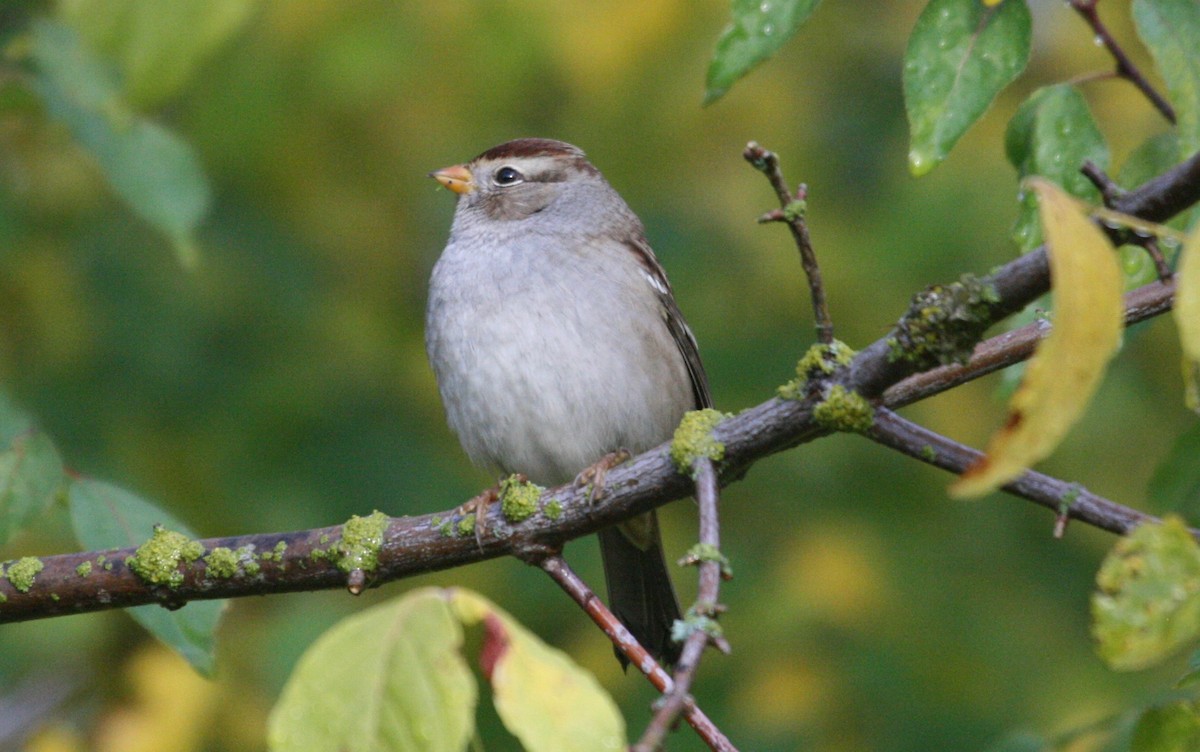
(592, 477)
(478, 506)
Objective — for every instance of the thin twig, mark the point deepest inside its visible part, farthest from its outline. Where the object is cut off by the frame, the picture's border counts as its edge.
(792, 210)
(1125, 67)
(1111, 193)
(705, 610)
(1063, 498)
(561, 573)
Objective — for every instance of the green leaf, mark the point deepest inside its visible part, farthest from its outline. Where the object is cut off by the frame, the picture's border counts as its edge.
(961, 54)
(757, 30)
(1175, 486)
(30, 470)
(154, 171)
(1148, 601)
(390, 678)
(158, 46)
(105, 516)
(1168, 728)
(1052, 134)
(1170, 28)
(1151, 158)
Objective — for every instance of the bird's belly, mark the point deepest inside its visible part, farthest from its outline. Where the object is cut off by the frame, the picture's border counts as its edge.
(554, 398)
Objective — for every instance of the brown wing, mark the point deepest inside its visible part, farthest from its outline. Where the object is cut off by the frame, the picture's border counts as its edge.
(673, 318)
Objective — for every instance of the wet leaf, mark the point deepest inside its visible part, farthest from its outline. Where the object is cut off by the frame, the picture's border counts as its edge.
(1170, 28)
(757, 30)
(1052, 134)
(960, 55)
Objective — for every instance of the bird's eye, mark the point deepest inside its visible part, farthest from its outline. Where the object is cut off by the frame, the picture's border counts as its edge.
(508, 176)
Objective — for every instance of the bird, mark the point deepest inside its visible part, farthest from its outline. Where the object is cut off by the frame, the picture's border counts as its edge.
(556, 342)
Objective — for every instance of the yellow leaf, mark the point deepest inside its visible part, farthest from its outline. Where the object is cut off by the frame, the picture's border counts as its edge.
(1187, 315)
(542, 696)
(1063, 374)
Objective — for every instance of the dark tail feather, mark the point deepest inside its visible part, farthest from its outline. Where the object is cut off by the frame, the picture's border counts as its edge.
(639, 586)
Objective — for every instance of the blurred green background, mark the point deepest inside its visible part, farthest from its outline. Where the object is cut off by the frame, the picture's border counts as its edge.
(283, 384)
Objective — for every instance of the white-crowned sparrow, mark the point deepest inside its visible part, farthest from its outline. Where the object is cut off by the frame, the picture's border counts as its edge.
(555, 339)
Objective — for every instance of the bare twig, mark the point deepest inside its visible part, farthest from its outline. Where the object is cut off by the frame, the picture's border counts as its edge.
(1110, 192)
(1063, 498)
(791, 210)
(561, 573)
(703, 614)
(1087, 9)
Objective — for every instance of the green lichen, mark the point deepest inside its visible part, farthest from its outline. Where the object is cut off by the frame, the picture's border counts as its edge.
(23, 572)
(222, 563)
(844, 410)
(1069, 498)
(466, 526)
(84, 569)
(276, 555)
(554, 509)
(795, 209)
(819, 361)
(444, 527)
(362, 539)
(519, 498)
(943, 323)
(693, 622)
(928, 453)
(702, 552)
(157, 560)
(252, 568)
(54, 597)
(3, 598)
(694, 439)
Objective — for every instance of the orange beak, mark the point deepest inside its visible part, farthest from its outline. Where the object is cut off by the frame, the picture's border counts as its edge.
(456, 178)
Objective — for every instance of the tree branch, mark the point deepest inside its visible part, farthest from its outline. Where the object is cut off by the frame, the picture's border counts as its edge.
(1065, 499)
(414, 545)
